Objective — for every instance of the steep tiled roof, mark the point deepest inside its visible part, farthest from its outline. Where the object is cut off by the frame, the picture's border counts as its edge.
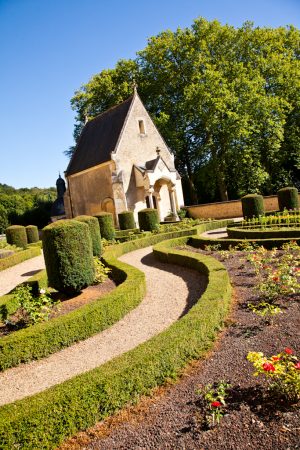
(99, 138)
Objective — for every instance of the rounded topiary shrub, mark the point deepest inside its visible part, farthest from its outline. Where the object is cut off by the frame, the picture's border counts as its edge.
(68, 253)
(93, 225)
(148, 219)
(106, 223)
(32, 234)
(126, 220)
(253, 206)
(288, 198)
(16, 235)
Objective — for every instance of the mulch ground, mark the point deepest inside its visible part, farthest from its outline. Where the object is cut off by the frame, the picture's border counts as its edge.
(66, 304)
(173, 418)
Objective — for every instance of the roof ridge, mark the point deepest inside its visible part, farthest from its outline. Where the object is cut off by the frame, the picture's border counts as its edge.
(110, 109)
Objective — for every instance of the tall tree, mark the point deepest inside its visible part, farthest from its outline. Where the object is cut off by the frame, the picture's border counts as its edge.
(225, 99)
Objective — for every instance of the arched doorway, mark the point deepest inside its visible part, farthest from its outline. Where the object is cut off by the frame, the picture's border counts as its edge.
(163, 192)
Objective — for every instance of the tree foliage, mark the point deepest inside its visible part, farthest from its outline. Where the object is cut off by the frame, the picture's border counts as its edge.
(25, 206)
(227, 101)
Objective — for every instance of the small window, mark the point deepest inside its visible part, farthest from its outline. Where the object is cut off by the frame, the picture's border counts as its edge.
(141, 127)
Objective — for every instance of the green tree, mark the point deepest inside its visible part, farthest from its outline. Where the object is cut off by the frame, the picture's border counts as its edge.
(225, 99)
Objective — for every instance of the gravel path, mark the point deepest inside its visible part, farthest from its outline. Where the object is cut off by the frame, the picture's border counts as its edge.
(171, 290)
(9, 278)
(219, 232)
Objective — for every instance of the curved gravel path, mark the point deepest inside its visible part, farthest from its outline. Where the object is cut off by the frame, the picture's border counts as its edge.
(11, 277)
(171, 291)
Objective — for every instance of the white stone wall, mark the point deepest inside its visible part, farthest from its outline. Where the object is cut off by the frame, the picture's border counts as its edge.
(136, 148)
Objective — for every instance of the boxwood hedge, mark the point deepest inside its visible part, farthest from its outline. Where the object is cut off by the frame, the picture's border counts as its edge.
(44, 420)
(45, 338)
(19, 257)
(244, 233)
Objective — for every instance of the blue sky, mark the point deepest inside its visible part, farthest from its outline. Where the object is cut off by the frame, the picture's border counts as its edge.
(49, 48)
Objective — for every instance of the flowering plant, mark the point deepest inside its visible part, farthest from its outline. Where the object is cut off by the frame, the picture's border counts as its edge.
(214, 396)
(35, 308)
(277, 272)
(281, 370)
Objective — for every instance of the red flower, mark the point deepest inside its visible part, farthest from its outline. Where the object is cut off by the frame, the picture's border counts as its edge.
(297, 365)
(216, 404)
(288, 351)
(275, 358)
(275, 279)
(268, 367)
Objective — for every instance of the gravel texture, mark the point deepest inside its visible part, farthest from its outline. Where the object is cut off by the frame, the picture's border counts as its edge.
(171, 291)
(174, 418)
(11, 277)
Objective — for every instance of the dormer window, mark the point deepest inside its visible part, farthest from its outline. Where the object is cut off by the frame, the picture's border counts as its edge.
(142, 127)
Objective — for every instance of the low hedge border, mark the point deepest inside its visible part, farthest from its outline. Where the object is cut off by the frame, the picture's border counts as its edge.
(201, 242)
(18, 257)
(45, 338)
(46, 419)
(244, 233)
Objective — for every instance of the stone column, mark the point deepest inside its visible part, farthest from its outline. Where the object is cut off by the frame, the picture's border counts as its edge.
(150, 195)
(173, 202)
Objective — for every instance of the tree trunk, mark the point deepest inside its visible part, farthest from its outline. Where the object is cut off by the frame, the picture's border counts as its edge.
(192, 190)
(222, 187)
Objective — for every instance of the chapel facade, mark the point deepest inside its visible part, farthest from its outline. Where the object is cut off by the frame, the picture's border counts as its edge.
(122, 163)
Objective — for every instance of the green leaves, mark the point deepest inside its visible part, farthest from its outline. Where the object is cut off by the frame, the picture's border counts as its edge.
(225, 99)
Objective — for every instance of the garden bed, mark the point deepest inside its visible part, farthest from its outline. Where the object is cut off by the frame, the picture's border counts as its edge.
(66, 305)
(175, 417)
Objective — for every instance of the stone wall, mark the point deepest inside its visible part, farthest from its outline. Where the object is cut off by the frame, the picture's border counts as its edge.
(89, 189)
(227, 210)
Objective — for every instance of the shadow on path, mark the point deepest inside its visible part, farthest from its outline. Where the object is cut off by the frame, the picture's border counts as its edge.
(31, 273)
(195, 291)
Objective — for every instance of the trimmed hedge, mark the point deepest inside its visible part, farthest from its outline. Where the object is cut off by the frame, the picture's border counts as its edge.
(94, 228)
(32, 234)
(244, 233)
(148, 219)
(45, 338)
(44, 420)
(126, 220)
(19, 257)
(16, 235)
(68, 253)
(253, 205)
(201, 242)
(106, 223)
(288, 198)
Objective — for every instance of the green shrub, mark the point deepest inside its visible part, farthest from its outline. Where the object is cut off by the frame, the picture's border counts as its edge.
(93, 225)
(288, 198)
(32, 234)
(126, 220)
(16, 235)
(253, 205)
(68, 253)
(44, 420)
(148, 219)
(106, 223)
(19, 257)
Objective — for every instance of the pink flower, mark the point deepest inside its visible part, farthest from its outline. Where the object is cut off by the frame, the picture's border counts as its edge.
(288, 351)
(268, 367)
(297, 365)
(216, 404)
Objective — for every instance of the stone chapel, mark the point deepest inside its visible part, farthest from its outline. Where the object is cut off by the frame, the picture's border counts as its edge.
(122, 163)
